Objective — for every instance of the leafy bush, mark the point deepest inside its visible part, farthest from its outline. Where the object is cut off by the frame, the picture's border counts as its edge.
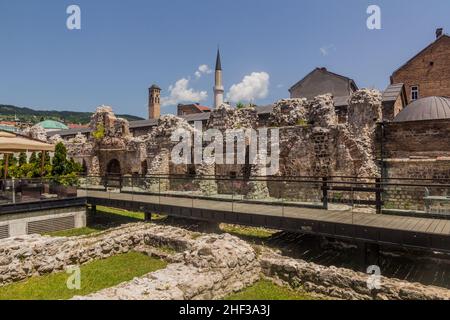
(240, 105)
(99, 133)
(302, 123)
(60, 167)
(22, 159)
(68, 180)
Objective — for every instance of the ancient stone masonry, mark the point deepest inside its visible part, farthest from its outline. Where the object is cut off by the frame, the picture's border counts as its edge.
(36, 132)
(257, 189)
(227, 118)
(289, 112)
(55, 139)
(320, 146)
(219, 264)
(110, 140)
(111, 131)
(207, 185)
(312, 143)
(80, 146)
(365, 109)
(34, 255)
(364, 112)
(343, 283)
(158, 148)
(322, 112)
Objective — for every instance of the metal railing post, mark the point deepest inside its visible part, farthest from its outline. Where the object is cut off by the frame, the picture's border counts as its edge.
(378, 199)
(325, 192)
(233, 182)
(159, 190)
(132, 188)
(13, 192)
(192, 193)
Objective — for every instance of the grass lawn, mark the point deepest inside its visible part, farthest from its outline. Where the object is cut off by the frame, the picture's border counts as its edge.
(106, 218)
(248, 233)
(74, 232)
(267, 290)
(95, 276)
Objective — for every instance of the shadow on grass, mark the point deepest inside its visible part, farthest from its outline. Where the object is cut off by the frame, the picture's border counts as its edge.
(104, 219)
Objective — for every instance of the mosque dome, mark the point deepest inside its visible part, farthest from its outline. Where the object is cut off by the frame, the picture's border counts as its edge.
(429, 108)
(52, 125)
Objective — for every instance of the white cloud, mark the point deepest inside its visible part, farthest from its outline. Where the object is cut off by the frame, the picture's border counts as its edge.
(253, 86)
(203, 69)
(180, 92)
(325, 50)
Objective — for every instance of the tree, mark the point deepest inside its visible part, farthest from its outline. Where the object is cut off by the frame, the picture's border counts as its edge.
(12, 161)
(47, 160)
(240, 105)
(33, 159)
(22, 159)
(74, 167)
(60, 163)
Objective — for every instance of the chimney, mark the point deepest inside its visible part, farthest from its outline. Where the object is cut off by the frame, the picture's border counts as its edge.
(439, 32)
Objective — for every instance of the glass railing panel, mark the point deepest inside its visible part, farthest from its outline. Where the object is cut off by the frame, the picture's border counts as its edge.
(253, 195)
(213, 193)
(299, 196)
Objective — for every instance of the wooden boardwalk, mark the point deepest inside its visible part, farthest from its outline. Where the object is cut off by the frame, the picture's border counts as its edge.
(424, 233)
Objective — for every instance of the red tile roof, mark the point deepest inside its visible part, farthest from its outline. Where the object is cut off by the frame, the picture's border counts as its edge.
(77, 126)
(203, 108)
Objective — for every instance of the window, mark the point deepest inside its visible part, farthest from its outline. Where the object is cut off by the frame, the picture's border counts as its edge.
(414, 93)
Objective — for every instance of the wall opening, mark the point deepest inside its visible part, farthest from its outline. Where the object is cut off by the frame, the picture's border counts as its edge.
(113, 167)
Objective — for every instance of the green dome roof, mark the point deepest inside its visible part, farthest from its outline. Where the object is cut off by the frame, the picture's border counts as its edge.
(50, 125)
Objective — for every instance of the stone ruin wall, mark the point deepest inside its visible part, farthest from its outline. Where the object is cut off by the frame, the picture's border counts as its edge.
(111, 139)
(319, 146)
(412, 197)
(416, 150)
(312, 143)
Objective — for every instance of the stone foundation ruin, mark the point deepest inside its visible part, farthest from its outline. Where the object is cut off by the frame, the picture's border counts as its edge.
(220, 264)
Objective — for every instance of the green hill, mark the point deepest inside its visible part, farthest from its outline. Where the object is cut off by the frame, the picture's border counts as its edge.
(8, 112)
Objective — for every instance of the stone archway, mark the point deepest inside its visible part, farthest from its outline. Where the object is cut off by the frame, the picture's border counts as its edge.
(113, 167)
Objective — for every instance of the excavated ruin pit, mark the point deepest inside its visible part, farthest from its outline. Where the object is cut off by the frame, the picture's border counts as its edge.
(221, 264)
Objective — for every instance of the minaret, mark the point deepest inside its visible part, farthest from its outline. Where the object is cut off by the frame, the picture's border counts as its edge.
(218, 88)
(154, 102)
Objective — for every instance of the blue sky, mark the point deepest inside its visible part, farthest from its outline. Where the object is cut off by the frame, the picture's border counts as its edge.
(125, 46)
